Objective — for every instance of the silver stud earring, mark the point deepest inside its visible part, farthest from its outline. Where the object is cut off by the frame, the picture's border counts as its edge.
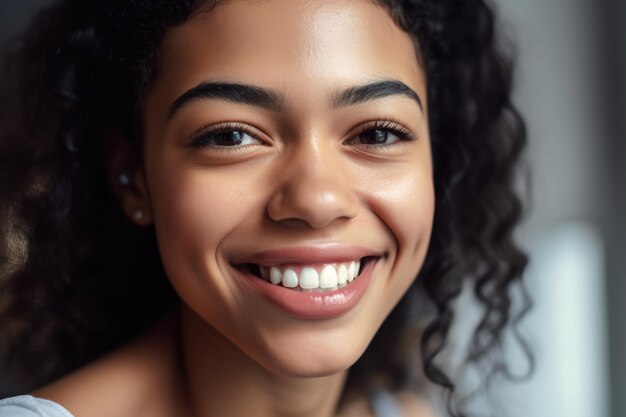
(137, 215)
(123, 179)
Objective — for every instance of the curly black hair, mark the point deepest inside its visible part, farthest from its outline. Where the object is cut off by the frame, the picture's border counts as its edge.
(72, 266)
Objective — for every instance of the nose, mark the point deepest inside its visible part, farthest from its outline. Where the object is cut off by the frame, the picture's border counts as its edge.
(315, 190)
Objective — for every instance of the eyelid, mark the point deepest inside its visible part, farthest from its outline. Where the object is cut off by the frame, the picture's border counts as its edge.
(388, 124)
(393, 126)
(219, 127)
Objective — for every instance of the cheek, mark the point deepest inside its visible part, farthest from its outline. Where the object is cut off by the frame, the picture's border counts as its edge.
(406, 206)
(413, 210)
(195, 209)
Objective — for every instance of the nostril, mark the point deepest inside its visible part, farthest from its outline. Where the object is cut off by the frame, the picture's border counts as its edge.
(312, 202)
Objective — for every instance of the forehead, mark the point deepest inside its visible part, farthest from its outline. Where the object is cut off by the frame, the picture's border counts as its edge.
(308, 44)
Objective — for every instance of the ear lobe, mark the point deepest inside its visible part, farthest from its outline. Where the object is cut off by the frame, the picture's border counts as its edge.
(127, 179)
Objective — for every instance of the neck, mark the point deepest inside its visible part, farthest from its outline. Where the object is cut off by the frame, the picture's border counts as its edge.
(223, 381)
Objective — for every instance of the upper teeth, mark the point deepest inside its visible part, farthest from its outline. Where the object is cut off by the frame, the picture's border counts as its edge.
(328, 276)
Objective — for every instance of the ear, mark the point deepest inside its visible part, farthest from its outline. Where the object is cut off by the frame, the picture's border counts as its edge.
(127, 179)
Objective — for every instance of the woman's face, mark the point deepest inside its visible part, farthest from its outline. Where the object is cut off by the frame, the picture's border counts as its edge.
(301, 146)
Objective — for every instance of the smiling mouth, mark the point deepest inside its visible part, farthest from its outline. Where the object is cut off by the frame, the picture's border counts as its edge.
(315, 278)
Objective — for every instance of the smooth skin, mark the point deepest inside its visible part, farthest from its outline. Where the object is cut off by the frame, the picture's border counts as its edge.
(302, 173)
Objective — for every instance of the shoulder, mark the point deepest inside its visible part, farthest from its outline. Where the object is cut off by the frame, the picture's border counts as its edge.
(29, 406)
(130, 381)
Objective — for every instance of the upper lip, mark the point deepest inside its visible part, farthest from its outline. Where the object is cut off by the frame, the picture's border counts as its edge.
(307, 255)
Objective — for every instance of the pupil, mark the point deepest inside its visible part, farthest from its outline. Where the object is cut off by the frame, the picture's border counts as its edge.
(376, 136)
(231, 138)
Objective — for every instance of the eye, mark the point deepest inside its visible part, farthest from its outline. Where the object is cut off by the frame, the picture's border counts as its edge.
(225, 136)
(377, 137)
(381, 133)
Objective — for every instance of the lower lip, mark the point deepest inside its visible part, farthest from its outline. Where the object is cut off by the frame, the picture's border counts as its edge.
(313, 305)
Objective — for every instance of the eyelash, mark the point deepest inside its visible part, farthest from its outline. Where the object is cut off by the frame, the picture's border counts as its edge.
(199, 140)
(387, 125)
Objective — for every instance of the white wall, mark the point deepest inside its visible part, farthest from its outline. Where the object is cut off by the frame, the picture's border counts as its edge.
(561, 90)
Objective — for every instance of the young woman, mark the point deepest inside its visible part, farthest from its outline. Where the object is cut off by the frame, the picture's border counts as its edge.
(253, 208)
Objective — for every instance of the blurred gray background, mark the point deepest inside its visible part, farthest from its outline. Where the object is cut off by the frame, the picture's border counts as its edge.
(571, 57)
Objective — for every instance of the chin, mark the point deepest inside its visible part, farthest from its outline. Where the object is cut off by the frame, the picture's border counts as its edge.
(311, 365)
(309, 370)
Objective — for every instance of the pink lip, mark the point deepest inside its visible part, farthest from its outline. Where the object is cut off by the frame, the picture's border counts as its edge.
(309, 255)
(312, 305)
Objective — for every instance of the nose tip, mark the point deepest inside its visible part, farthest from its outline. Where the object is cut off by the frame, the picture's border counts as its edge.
(316, 202)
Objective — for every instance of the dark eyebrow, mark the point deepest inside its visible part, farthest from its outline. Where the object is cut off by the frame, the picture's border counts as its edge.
(237, 93)
(262, 97)
(367, 92)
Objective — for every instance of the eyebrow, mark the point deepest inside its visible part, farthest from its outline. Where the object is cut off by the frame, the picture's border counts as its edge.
(271, 100)
(368, 92)
(236, 93)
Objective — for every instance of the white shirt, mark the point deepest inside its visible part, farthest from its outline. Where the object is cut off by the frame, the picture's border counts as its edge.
(29, 406)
